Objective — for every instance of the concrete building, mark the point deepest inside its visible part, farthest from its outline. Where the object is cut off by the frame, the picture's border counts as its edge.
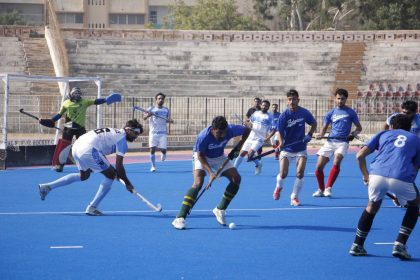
(117, 14)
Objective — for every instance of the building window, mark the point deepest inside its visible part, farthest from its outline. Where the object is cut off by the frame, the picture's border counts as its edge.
(126, 19)
(69, 18)
(153, 17)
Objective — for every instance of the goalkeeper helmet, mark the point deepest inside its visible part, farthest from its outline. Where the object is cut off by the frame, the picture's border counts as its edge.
(75, 94)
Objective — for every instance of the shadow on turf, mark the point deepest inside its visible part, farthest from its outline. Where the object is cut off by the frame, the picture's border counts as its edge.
(295, 227)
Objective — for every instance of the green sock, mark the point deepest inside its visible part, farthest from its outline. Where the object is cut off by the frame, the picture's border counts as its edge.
(188, 202)
(230, 192)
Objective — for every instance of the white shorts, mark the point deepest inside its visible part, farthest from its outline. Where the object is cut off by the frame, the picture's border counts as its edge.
(379, 186)
(214, 163)
(89, 158)
(331, 148)
(158, 140)
(291, 156)
(255, 144)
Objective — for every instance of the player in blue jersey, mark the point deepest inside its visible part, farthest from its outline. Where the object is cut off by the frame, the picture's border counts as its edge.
(341, 118)
(209, 156)
(158, 116)
(89, 152)
(274, 139)
(394, 169)
(292, 138)
(262, 123)
(408, 108)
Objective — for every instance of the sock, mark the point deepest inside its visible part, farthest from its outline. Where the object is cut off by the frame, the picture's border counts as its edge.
(335, 170)
(238, 161)
(363, 227)
(153, 159)
(257, 162)
(297, 186)
(319, 174)
(230, 192)
(64, 181)
(104, 188)
(280, 181)
(188, 202)
(408, 224)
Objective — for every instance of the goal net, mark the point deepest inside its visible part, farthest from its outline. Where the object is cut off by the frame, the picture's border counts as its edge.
(26, 97)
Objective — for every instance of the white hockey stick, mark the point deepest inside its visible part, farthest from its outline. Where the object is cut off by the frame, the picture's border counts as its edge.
(148, 112)
(157, 207)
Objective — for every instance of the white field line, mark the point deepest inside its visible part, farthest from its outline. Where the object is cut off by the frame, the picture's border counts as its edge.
(198, 210)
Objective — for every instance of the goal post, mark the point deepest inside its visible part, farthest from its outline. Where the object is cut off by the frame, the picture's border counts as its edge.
(19, 129)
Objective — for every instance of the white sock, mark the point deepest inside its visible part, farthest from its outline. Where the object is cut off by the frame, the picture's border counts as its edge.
(104, 188)
(238, 161)
(64, 181)
(153, 159)
(297, 186)
(280, 181)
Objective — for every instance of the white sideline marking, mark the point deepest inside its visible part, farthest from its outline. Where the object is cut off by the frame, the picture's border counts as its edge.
(66, 247)
(302, 208)
(384, 243)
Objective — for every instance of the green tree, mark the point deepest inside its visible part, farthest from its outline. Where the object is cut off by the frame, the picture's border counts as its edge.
(210, 15)
(12, 18)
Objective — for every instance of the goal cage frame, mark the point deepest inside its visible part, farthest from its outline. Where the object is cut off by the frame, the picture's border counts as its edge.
(6, 143)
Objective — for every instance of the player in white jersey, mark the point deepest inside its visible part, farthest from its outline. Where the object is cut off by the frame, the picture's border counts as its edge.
(158, 116)
(394, 169)
(89, 151)
(275, 139)
(262, 124)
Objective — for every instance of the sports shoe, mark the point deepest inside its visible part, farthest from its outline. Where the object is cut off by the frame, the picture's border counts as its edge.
(258, 169)
(220, 216)
(43, 191)
(400, 251)
(58, 168)
(179, 223)
(357, 250)
(93, 211)
(318, 193)
(276, 193)
(294, 202)
(162, 157)
(152, 169)
(327, 192)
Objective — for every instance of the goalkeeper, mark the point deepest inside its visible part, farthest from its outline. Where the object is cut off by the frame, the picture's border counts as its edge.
(208, 156)
(74, 110)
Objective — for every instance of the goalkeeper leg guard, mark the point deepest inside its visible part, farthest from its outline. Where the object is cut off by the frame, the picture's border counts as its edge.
(230, 192)
(61, 147)
(188, 203)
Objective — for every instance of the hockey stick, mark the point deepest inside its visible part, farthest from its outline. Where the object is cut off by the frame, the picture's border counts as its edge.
(157, 207)
(238, 118)
(148, 112)
(272, 151)
(22, 111)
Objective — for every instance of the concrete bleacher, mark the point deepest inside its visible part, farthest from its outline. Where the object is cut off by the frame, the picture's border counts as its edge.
(186, 68)
(391, 62)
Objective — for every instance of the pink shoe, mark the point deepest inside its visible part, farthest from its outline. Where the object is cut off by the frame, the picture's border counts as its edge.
(276, 193)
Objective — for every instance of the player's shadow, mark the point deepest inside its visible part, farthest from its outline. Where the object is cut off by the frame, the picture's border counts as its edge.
(295, 227)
